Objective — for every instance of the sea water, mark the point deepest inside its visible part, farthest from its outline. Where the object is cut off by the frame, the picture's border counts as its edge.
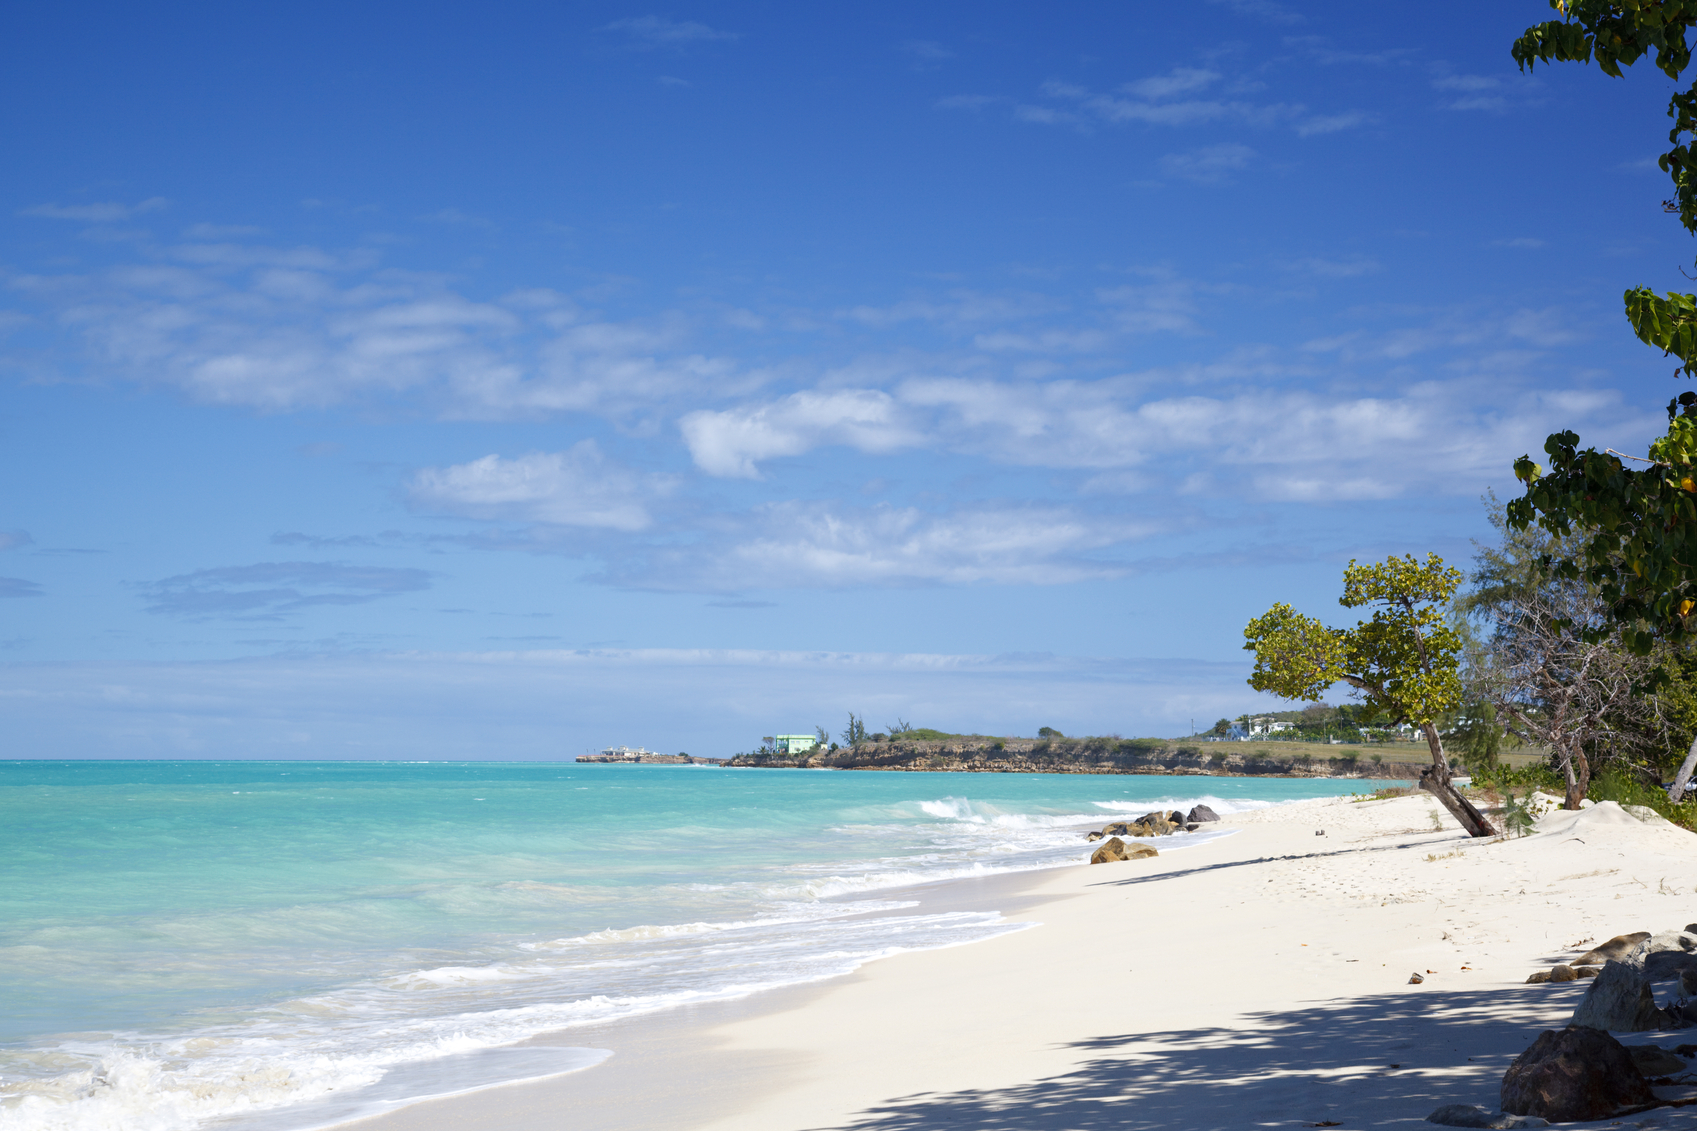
(281, 945)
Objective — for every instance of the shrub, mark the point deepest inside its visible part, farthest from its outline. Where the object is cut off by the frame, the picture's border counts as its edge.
(1049, 732)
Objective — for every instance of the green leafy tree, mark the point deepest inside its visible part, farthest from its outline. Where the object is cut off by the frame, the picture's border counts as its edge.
(1049, 732)
(856, 732)
(1635, 523)
(1403, 662)
(1222, 727)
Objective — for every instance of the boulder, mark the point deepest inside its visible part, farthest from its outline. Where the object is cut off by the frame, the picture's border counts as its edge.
(1471, 1115)
(1174, 817)
(1116, 828)
(1199, 814)
(1670, 954)
(1652, 1061)
(1572, 1075)
(1618, 1000)
(1560, 973)
(1616, 948)
(1537, 977)
(1587, 971)
(1114, 849)
(1093, 834)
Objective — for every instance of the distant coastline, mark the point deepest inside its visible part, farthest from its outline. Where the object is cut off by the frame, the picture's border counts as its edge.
(985, 754)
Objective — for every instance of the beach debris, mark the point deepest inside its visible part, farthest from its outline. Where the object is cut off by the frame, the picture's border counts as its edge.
(1416, 978)
(1618, 947)
(1200, 814)
(1575, 1074)
(1115, 849)
(1619, 1000)
(1472, 1115)
(1319, 832)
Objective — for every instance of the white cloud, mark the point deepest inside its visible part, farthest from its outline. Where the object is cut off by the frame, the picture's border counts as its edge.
(657, 31)
(102, 213)
(730, 443)
(1180, 80)
(576, 487)
(788, 545)
(1267, 10)
(1208, 165)
(1525, 243)
(1332, 123)
(286, 328)
(1468, 83)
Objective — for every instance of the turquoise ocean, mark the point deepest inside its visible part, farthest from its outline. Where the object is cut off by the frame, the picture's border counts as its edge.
(271, 946)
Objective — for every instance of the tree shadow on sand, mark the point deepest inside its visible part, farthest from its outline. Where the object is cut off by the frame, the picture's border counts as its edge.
(1361, 1062)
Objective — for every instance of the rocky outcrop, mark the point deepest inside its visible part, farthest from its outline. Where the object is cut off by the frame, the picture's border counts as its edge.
(1572, 1075)
(1620, 1001)
(1200, 814)
(1114, 849)
(980, 754)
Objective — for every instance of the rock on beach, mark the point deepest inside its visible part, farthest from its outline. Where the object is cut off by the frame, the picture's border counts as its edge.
(1115, 849)
(1575, 1074)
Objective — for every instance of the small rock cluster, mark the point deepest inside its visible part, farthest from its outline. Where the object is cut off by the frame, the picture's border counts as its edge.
(1158, 823)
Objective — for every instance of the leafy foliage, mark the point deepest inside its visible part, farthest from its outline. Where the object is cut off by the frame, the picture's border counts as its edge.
(1403, 661)
(1049, 732)
(856, 732)
(1640, 550)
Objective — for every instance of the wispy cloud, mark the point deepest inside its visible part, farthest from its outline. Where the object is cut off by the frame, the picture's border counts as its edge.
(1266, 10)
(269, 590)
(577, 487)
(657, 31)
(18, 587)
(12, 539)
(821, 545)
(105, 212)
(287, 328)
(730, 443)
(1336, 268)
(1209, 165)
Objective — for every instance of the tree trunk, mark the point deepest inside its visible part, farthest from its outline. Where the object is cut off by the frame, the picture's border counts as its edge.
(1575, 792)
(1677, 790)
(1436, 781)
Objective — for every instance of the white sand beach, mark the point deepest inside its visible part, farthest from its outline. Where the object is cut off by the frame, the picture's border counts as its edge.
(1259, 980)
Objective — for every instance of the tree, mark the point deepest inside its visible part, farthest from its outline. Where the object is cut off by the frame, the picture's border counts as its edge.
(1552, 665)
(1049, 732)
(1403, 662)
(1222, 727)
(1640, 545)
(856, 732)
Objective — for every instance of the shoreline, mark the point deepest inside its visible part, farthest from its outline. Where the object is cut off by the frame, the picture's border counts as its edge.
(1244, 961)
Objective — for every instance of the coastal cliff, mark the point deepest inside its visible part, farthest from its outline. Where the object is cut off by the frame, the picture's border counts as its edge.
(1105, 756)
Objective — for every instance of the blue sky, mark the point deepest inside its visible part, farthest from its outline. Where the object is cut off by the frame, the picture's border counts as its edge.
(506, 381)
